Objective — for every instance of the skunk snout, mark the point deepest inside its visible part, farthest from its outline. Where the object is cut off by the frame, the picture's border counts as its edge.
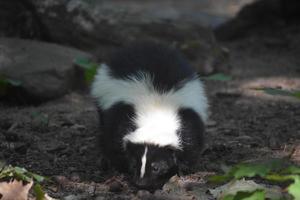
(142, 183)
(149, 184)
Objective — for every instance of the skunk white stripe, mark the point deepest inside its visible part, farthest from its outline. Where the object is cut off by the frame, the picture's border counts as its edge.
(156, 113)
(144, 161)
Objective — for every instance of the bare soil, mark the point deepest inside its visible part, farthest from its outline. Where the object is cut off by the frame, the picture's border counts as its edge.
(57, 138)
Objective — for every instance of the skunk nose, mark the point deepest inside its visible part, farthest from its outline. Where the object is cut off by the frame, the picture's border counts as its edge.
(141, 183)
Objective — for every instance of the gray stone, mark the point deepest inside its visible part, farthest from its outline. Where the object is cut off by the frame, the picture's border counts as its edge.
(101, 26)
(76, 197)
(19, 20)
(44, 70)
(261, 17)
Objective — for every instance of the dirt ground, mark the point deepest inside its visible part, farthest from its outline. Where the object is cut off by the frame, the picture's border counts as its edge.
(57, 138)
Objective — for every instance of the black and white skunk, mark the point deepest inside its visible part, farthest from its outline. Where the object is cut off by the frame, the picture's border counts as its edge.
(152, 109)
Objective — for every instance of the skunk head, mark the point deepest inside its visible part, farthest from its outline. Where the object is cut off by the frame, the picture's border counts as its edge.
(151, 166)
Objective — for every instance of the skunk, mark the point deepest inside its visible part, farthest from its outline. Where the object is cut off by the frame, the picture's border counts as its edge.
(152, 110)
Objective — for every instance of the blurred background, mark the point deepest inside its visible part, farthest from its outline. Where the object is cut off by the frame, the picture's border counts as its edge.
(200, 28)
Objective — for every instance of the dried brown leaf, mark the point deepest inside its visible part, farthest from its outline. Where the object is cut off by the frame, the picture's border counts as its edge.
(14, 190)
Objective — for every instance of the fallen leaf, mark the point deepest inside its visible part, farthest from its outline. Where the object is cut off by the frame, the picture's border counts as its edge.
(248, 170)
(233, 187)
(218, 77)
(189, 187)
(14, 190)
(95, 188)
(279, 91)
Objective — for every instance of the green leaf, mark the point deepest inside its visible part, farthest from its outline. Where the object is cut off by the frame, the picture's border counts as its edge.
(9, 81)
(244, 195)
(90, 68)
(262, 169)
(6, 173)
(278, 91)
(20, 170)
(40, 117)
(278, 178)
(218, 77)
(247, 170)
(296, 94)
(229, 197)
(85, 63)
(15, 83)
(90, 73)
(20, 173)
(191, 44)
(294, 188)
(219, 178)
(291, 170)
(6, 82)
(3, 82)
(22, 177)
(39, 193)
(36, 177)
(270, 171)
(35, 114)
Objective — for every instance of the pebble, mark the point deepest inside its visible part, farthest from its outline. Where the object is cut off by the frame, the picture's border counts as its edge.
(211, 123)
(76, 197)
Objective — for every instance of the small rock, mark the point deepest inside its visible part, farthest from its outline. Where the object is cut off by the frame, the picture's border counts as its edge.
(274, 143)
(13, 127)
(212, 131)
(83, 149)
(11, 136)
(227, 94)
(115, 186)
(43, 70)
(78, 127)
(53, 146)
(72, 169)
(142, 193)
(75, 177)
(211, 123)
(127, 21)
(100, 198)
(229, 132)
(20, 147)
(77, 197)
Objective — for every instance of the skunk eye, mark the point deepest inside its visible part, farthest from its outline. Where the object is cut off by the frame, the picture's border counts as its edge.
(160, 167)
(155, 169)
